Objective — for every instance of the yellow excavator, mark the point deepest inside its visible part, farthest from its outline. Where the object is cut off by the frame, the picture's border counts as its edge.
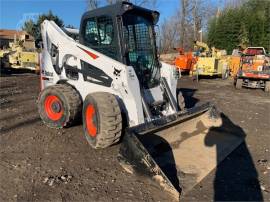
(210, 61)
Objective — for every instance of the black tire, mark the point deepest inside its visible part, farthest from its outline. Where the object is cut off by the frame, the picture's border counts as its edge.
(181, 101)
(239, 83)
(102, 120)
(267, 86)
(59, 106)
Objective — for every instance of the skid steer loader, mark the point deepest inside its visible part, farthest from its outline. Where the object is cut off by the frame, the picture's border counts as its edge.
(112, 78)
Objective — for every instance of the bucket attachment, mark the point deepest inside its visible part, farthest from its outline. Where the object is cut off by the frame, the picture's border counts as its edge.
(179, 150)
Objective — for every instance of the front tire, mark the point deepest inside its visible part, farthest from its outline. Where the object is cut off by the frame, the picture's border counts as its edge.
(239, 83)
(102, 120)
(267, 86)
(59, 106)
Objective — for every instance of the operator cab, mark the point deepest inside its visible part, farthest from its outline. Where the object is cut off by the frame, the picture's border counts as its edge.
(125, 32)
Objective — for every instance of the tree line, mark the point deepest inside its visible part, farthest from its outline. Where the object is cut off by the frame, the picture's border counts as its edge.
(186, 25)
(242, 26)
(32, 27)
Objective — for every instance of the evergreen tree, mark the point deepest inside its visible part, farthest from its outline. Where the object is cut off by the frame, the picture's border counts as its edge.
(33, 27)
(243, 37)
(248, 25)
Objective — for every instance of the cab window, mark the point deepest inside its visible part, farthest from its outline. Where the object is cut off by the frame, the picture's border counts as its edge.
(99, 31)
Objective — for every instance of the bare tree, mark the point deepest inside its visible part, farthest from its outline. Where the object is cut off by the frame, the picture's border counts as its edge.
(110, 2)
(150, 3)
(169, 36)
(234, 3)
(202, 11)
(92, 4)
(196, 20)
(182, 28)
(184, 5)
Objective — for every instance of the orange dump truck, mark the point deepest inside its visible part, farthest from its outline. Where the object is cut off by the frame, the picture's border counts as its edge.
(251, 56)
(254, 71)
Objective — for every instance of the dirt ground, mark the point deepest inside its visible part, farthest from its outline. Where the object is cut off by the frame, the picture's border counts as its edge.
(42, 164)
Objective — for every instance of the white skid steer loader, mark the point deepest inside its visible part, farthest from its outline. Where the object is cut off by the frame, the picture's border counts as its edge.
(110, 76)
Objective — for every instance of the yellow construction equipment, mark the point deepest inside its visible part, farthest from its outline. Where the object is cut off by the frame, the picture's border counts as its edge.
(21, 54)
(211, 61)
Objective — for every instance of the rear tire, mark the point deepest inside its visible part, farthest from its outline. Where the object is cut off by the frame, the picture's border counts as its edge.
(267, 86)
(239, 83)
(102, 120)
(181, 101)
(59, 106)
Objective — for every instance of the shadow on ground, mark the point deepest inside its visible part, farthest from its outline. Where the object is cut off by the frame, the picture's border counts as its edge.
(6, 72)
(188, 94)
(205, 77)
(236, 178)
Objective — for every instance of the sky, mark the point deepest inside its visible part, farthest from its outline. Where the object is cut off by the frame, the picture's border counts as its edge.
(13, 13)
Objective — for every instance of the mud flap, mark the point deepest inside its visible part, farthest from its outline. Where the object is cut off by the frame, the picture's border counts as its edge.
(180, 150)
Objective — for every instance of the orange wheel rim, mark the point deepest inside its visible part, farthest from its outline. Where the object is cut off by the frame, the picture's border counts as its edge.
(90, 125)
(53, 107)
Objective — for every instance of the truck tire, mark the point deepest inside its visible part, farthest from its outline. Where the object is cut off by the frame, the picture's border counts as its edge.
(102, 120)
(181, 101)
(267, 86)
(59, 106)
(239, 83)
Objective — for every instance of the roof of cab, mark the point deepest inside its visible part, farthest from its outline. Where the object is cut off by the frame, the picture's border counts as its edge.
(119, 9)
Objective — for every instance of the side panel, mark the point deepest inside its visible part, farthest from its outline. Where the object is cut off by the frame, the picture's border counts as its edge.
(48, 76)
(171, 74)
